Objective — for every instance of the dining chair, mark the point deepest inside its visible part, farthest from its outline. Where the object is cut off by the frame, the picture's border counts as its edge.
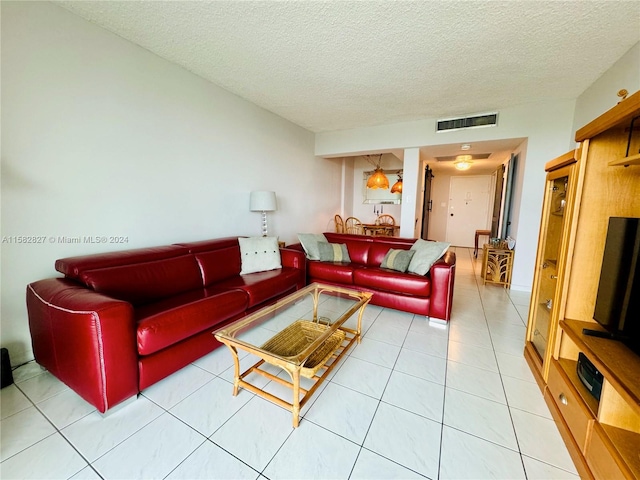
(387, 220)
(354, 226)
(339, 224)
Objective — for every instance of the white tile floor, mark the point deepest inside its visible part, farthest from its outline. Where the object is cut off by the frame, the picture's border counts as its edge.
(412, 401)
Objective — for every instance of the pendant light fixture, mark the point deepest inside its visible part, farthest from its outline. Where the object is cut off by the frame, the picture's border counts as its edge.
(378, 179)
(397, 187)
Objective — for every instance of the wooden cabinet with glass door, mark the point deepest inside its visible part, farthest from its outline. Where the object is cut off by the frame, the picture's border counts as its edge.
(602, 434)
(546, 301)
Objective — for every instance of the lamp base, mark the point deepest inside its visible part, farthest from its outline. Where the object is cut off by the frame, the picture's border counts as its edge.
(264, 224)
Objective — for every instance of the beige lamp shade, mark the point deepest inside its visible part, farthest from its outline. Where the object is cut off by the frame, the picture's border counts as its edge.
(263, 201)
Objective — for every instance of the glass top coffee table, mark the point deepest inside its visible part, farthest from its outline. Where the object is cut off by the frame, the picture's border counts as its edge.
(306, 335)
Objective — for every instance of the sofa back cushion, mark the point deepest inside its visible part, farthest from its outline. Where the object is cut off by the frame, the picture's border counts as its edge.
(146, 282)
(358, 251)
(220, 264)
(73, 267)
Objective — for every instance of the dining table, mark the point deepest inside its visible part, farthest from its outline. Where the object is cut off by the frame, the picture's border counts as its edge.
(380, 229)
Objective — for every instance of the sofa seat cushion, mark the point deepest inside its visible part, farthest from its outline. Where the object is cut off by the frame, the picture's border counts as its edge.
(261, 286)
(331, 272)
(392, 281)
(169, 326)
(150, 309)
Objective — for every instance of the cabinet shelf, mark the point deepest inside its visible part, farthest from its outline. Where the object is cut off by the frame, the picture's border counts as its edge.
(626, 443)
(613, 359)
(570, 368)
(626, 161)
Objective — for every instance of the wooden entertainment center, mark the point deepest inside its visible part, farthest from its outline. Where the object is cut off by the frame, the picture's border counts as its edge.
(600, 179)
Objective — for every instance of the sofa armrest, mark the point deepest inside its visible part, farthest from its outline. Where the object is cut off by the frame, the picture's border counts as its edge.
(86, 339)
(442, 275)
(295, 259)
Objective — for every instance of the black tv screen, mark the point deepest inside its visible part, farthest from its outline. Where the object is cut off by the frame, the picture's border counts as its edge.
(618, 300)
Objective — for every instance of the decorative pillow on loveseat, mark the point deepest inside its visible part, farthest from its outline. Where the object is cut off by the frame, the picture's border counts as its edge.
(397, 259)
(427, 253)
(333, 252)
(259, 254)
(309, 242)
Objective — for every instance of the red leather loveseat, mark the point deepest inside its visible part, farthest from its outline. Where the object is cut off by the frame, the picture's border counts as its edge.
(121, 321)
(430, 295)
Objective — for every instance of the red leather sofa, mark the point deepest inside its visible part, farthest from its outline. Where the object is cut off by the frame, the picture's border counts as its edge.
(119, 322)
(430, 295)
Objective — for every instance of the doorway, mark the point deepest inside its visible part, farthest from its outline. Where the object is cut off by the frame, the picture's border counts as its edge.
(468, 211)
(427, 203)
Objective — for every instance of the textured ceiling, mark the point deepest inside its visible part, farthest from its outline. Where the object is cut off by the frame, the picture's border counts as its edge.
(332, 65)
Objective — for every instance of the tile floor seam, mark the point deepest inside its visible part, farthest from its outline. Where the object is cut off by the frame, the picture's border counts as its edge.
(485, 439)
(185, 459)
(379, 400)
(444, 400)
(121, 441)
(278, 449)
(56, 431)
(546, 463)
(504, 390)
(331, 431)
(229, 419)
(397, 463)
(230, 453)
(183, 399)
(355, 463)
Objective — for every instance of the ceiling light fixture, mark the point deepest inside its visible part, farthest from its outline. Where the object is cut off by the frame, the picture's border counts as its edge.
(465, 146)
(378, 179)
(463, 162)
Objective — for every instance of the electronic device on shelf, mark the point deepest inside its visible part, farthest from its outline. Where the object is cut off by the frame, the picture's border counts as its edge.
(618, 299)
(589, 376)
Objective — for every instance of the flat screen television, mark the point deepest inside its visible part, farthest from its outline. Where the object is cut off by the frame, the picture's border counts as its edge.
(618, 299)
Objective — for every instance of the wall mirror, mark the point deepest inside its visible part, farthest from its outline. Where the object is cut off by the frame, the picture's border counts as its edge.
(377, 195)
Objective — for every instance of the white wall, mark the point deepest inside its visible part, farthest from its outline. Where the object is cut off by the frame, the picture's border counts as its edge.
(603, 93)
(101, 137)
(547, 128)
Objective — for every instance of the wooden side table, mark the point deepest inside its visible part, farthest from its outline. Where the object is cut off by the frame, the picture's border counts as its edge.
(487, 233)
(497, 264)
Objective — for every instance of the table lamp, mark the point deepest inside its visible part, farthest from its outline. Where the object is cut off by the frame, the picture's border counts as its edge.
(263, 201)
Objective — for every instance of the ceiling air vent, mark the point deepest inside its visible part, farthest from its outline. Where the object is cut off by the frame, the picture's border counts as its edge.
(476, 121)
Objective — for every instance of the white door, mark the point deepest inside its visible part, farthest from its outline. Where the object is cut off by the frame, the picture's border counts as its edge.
(468, 209)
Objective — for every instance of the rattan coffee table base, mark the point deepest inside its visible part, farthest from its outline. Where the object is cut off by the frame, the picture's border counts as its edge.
(309, 348)
(295, 372)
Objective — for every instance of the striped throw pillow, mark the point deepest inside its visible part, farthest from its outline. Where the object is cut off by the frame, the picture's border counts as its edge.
(333, 252)
(397, 259)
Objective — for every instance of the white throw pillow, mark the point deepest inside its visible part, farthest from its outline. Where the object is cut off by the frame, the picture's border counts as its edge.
(427, 253)
(309, 243)
(259, 254)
